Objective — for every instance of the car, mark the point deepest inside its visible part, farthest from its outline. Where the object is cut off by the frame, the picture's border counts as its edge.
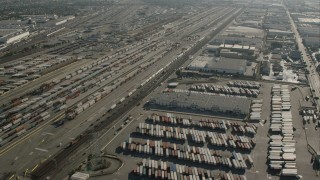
(307, 98)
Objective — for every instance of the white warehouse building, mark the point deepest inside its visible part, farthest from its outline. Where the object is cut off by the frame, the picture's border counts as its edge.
(202, 102)
(11, 38)
(218, 65)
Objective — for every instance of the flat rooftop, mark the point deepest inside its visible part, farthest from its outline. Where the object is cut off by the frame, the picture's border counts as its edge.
(309, 20)
(244, 30)
(203, 101)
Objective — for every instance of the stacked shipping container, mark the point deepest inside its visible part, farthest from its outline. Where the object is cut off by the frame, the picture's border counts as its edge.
(282, 144)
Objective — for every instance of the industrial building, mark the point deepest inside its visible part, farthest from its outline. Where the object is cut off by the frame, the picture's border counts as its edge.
(238, 48)
(309, 20)
(218, 65)
(203, 102)
(309, 30)
(233, 51)
(276, 32)
(265, 68)
(243, 35)
(312, 41)
(13, 37)
(237, 51)
(213, 49)
(244, 31)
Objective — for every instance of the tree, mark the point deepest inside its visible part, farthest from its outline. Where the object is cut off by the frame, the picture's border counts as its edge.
(178, 73)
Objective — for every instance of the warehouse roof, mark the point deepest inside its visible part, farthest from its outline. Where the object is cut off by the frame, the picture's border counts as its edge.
(309, 20)
(204, 101)
(245, 30)
(236, 47)
(279, 31)
(200, 61)
(227, 63)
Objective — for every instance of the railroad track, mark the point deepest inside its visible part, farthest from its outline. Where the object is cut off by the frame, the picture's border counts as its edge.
(60, 115)
(51, 165)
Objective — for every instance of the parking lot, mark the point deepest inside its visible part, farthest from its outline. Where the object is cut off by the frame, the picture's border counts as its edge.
(152, 132)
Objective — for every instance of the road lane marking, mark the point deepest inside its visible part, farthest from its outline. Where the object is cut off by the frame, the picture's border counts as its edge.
(34, 167)
(31, 153)
(39, 149)
(47, 133)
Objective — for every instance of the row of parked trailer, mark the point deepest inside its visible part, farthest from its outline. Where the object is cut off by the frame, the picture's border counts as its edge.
(158, 72)
(188, 153)
(216, 139)
(226, 90)
(167, 170)
(107, 89)
(29, 66)
(11, 84)
(179, 56)
(49, 86)
(96, 68)
(282, 144)
(22, 124)
(36, 109)
(182, 129)
(96, 74)
(256, 109)
(211, 124)
(30, 108)
(245, 84)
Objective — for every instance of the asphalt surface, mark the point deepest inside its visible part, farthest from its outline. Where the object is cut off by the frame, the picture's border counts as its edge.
(314, 81)
(89, 147)
(45, 141)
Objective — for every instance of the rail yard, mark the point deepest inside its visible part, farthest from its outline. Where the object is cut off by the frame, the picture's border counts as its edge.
(136, 91)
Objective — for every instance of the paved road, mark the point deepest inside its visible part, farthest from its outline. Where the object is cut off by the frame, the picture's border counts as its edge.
(314, 82)
(313, 77)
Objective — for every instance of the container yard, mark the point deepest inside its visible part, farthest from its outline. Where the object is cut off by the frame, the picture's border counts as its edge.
(166, 170)
(156, 90)
(223, 144)
(282, 151)
(229, 145)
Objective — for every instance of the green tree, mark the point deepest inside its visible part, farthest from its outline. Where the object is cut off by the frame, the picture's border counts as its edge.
(178, 73)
